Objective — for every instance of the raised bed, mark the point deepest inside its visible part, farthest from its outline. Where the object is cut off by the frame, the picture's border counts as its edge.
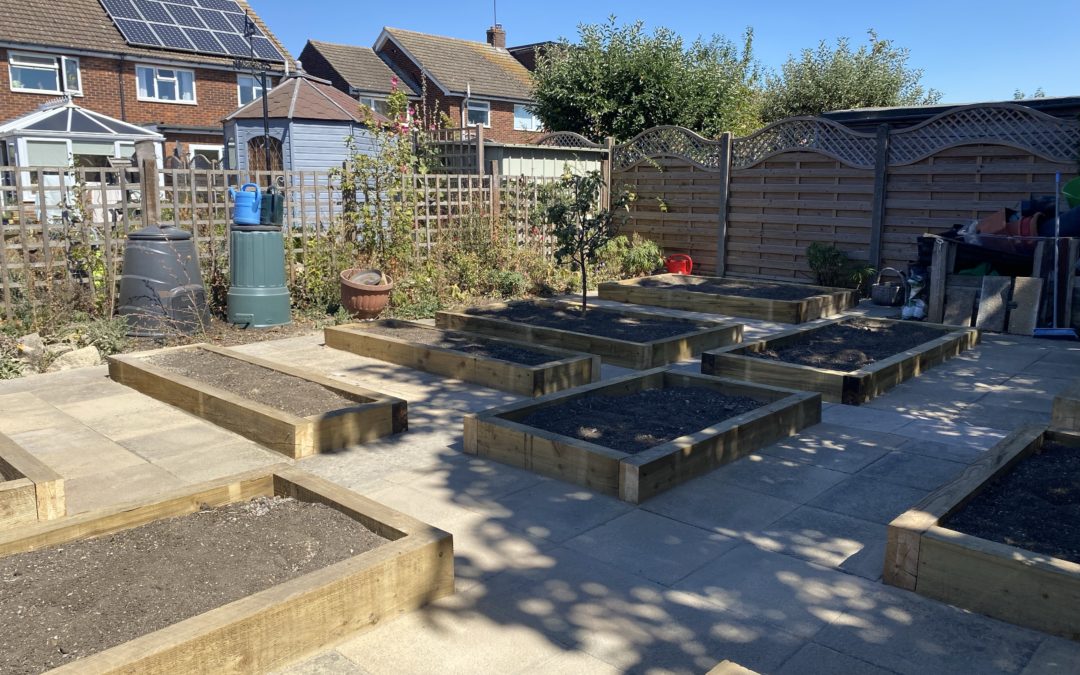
(747, 361)
(707, 439)
(272, 627)
(29, 490)
(766, 300)
(353, 414)
(620, 337)
(521, 368)
(927, 554)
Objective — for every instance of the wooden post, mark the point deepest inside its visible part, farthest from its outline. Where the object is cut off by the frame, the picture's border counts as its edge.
(146, 158)
(480, 149)
(877, 210)
(726, 143)
(495, 196)
(935, 311)
(607, 169)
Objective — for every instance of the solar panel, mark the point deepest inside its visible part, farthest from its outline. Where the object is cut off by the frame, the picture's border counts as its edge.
(121, 9)
(215, 20)
(223, 5)
(185, 16)
(172, 37)
(137, 32)
(203, 26)
(153, 11)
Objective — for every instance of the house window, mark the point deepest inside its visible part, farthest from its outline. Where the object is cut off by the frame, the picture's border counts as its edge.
(166, 84)
(525, 119)
(479, 112)
(249, 88)
(205, 156)
(40, 74)
(379, 105)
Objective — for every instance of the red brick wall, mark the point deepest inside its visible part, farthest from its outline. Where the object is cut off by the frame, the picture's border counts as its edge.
(215, 91)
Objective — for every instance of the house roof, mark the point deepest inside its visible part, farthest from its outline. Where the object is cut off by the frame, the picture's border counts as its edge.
(462, 65)
(63, 119)
(84, 25)
(361, 67)
(302, 96)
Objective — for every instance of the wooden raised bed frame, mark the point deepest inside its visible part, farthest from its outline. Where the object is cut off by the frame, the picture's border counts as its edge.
(1002, 581)
(700, 335)
(29, 490)
(1066, 410)
(496, 434)
(829, 301)
(565, 370)
(280, 624)
(837, 386)
(293, 436)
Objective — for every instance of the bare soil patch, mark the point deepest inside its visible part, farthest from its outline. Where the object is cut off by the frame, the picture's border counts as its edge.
(80, 598)
(641, 420)
(462, 342)
(1036, 506)
(851, 344)
(290, 394)
(743, 289)
(596, 321)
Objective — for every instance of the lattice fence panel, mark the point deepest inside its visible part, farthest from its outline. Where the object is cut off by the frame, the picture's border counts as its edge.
(802, 133)
(674, 142)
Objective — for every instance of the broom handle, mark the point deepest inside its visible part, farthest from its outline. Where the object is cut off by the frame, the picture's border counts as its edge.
(1057, 243)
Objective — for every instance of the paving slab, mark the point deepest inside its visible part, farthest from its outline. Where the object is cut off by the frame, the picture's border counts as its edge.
(813, 659)
(652, 546)
(106, 488)
(219, 460)
(867, 498)
(966, 435)
(862, 417)
(781, 478)
(1055, 656)
(74, 450)
(830, 539)
(913, 470)
(23, 411)
(719, 507)
(327, 663)
(554, 510)
(834, 447)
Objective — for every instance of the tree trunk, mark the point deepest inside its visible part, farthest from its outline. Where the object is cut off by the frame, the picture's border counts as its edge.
(584, 286)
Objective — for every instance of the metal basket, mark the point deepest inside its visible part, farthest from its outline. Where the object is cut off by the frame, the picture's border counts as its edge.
(889, 293)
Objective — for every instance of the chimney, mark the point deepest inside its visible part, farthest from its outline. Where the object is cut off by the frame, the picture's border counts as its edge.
(496, 36)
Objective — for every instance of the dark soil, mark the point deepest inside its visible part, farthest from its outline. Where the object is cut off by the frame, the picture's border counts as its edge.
(852, 344)
(742, 289)
(70, 601)
(641, 420)
(461, 342)
(287, 393)
(1036, 506)
(225, 334)
(608, 324)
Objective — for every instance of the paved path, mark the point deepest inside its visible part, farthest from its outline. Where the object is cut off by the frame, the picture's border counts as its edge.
(773, 561)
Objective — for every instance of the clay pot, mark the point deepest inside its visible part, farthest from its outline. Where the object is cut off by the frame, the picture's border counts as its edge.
(365, 300)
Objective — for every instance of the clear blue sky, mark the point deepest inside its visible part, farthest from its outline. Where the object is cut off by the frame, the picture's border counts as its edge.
(970, 51)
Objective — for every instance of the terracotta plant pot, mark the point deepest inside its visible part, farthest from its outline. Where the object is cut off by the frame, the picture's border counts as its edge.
(365, 300)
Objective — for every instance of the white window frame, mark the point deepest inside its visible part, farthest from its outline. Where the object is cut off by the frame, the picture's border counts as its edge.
(60, 66)
(192, 147)
(256, 85)
(370, 102)
(154, 99)
(537, 125)
(480, 105)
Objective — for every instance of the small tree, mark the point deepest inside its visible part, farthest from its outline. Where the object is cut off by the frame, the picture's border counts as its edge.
(580, 226)
(818, 80)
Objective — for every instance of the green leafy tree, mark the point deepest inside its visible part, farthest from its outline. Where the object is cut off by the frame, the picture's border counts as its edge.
(580, 226)
(1019, 95)
(827, 78)
(618, 80)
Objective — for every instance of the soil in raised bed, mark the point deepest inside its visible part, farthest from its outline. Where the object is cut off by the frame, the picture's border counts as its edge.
(1036, 506)
(636, 422)
(290, 394)
(461, 342)
(742, 289)
(76, 599)
(851, 345)
(608, 324)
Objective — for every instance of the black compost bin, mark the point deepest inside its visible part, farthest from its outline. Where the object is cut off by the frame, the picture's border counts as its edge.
(161, 289)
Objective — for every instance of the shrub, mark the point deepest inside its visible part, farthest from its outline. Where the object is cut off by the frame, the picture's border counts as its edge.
(108, 335)
(624, 257)
(11, 366)
(833, 267)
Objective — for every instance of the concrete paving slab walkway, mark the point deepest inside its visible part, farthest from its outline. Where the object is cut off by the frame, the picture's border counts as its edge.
(772, 562)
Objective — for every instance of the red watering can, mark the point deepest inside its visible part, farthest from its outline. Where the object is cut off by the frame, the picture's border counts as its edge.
(679, 263)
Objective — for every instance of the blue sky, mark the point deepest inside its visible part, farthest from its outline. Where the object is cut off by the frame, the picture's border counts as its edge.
(970, 51)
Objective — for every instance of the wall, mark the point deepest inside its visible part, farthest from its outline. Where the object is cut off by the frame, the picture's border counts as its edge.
(762, 199)
(542, 161)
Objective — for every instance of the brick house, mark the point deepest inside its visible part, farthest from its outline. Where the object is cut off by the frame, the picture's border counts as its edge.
(357, 71)
(51, 48)
(471, 82)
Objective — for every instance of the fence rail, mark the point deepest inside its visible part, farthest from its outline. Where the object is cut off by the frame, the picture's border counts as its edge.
(71, 223)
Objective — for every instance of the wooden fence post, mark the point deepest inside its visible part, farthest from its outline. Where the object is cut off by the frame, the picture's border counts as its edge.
(480, 149)
(495, 197)
(607, 170)
(726, 144)
(877, 209)
(148, 182)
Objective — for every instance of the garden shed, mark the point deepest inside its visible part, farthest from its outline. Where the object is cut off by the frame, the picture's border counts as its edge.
(309, 122)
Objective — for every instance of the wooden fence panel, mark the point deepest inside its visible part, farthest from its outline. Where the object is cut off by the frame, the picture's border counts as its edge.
(676, 205)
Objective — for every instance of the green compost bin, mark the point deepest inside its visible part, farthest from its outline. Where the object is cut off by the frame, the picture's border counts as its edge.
(258, 296)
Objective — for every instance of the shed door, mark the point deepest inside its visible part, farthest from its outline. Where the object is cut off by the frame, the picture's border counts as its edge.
(257, 155)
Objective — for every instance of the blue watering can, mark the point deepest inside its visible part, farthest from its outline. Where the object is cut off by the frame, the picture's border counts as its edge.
(247, 204)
